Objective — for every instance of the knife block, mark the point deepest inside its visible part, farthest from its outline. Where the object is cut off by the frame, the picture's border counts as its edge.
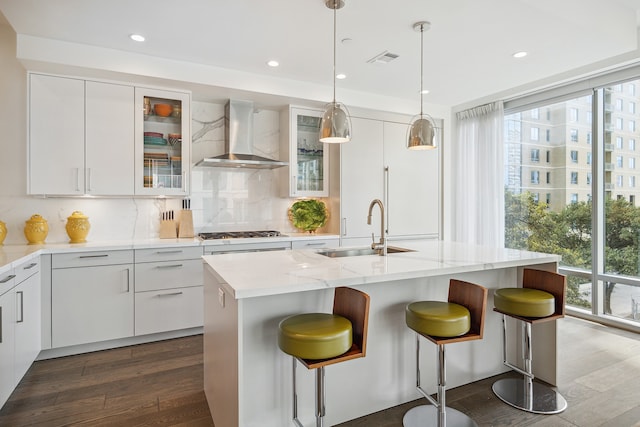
(185, 228)
(167, 229)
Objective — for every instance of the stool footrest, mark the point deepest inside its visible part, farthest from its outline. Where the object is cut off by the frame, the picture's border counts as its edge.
(529, 396)
(423, 415)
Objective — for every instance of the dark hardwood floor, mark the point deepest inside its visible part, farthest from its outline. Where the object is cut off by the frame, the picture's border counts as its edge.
(161, 384)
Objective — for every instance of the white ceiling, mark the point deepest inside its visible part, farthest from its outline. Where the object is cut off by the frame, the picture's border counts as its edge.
(467, 50)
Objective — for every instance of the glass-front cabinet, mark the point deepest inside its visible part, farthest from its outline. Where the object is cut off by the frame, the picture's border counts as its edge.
(163, 135)
(308, 157)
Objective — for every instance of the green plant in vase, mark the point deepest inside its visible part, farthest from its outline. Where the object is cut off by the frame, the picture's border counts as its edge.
(308, 215)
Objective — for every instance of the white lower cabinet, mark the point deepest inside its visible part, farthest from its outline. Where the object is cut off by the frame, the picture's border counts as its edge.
(92, 297)
(169, 289)
(7, 344)
(19, 324)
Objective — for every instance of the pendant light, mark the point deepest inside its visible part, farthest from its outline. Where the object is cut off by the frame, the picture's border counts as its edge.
(422, 131)
(335, 126)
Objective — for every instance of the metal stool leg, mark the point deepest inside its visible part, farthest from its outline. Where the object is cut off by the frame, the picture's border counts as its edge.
(437, 411)
(295, 396)
(320, 396)
(524, 393)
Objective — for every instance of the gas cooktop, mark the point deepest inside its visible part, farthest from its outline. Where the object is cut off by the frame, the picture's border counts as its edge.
(238, 234)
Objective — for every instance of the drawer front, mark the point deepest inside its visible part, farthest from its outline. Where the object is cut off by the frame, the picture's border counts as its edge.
(315, 243)
(89, 259)
(27, 269)
(168, 254)
(168, 310)
(151, 276)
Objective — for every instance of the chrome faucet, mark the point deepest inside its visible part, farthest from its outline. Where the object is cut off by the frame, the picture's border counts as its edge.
(381, 246)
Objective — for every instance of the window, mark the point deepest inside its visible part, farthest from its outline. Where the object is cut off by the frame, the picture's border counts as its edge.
(619, 104)
(588, 157)
(548, 177)
(548, 113)
(535, 155)
(632, 107)
(632, 89)
(632, 162)
(536, 197)
(574, 177)
(632, 125)
(548, 135)
(619, 124)
(619, 142)
(535, 113)
(619, 161)
(632, 144)
(574, 135)
(618, 87)
(535, 134)
(619, 181)
(573, 114)
(632, 181)
(588, 178)
(632, 200)
(548, 156)
(574, 156)
(535, 177)
(548, 199)
(589, 138)
(574, 197)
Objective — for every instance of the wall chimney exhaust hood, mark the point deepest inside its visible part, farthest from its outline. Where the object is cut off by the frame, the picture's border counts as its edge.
(238, 141)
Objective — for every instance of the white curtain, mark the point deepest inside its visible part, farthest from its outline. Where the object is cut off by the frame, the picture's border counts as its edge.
(478, 200)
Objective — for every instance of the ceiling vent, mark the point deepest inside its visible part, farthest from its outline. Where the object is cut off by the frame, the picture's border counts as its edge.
(383, 58)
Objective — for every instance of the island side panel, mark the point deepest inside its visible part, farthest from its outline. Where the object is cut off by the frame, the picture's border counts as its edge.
(220, 351)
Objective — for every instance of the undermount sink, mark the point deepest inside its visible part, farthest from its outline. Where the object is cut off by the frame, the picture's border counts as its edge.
(343, 252)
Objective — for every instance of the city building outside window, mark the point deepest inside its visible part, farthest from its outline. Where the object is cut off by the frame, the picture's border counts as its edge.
(548, 135)
(535, 134)
(589, 138)
(588, 178)
(574, 156)
(632, 89)
(632, 125)
(574, 197)
(535, 113)
(619, 142)
(548, 199)
(535, 155)
(548, 154)
(548, 177)
(574, 177)
(632, 144)
(589, 157)
(619, 123)
(632, 181)
(619, 161)
(573, 114)
(632, 162)
(619, 181)
(574, 135)
(632, 107)
(619, 106)
(535, 177)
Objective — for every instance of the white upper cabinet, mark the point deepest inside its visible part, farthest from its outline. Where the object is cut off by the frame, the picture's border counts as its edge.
(308, 171)
(109, 139)
(361, 181)
(162, 142)
(56, 135)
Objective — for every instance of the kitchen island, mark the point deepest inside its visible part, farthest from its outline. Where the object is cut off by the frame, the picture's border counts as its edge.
(248, 379)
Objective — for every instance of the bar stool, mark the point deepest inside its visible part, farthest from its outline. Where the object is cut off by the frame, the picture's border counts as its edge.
(320, 339)
(541, 299)
(459, 319)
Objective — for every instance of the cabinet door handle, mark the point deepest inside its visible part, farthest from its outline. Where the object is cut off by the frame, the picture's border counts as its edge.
(344, 226)
(30, 266)
(294, 186)
(94, 256)
(88, 179)
(20, 307)
(169, 266)
(128, 281)
(316, 244)
(172, 294)
(6, 279)
(184, 181)
(1, 324)
(169, 252)
(78, 179)
(386, 197)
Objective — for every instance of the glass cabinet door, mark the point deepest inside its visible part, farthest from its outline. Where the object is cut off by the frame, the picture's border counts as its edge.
(163, 135)
(308, 157)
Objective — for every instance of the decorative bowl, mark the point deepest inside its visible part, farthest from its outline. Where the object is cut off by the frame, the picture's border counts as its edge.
(163, 110)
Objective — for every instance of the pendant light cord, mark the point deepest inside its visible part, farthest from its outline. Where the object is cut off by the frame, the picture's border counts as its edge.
(335, 8)
(421, 65)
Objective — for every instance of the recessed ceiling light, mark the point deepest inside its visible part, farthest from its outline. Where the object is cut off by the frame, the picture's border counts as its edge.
(520, 54)
(341, 76)
(425, 91)
(273, 63)
(137, 37)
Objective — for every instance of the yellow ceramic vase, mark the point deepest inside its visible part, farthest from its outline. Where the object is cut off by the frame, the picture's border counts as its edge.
(78, 227)
(3, 232)
(36, 229)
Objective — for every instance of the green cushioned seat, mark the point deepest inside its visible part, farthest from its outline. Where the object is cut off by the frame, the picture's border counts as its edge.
(315, 335)
(524, 302)
(438, 318)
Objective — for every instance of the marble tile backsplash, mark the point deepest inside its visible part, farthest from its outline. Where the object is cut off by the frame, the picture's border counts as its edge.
(221, 198)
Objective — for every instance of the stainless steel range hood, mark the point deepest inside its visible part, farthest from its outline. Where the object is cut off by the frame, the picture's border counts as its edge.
(238, 140)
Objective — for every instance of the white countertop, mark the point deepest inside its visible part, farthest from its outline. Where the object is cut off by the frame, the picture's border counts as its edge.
(270, 273)
(13, 255)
